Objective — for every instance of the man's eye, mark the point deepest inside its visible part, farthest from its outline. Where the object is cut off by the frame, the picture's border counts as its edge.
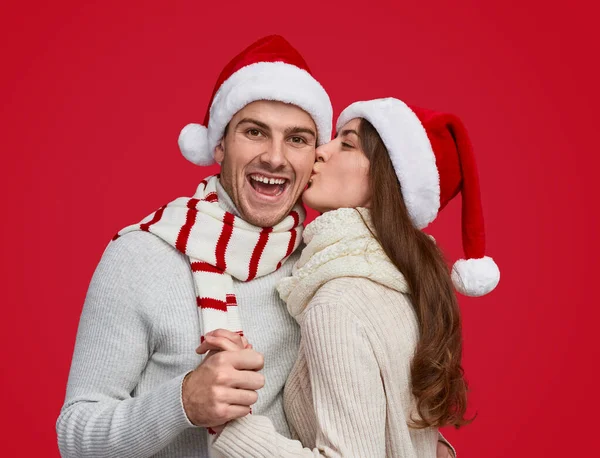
(298, 140)
(254, 132)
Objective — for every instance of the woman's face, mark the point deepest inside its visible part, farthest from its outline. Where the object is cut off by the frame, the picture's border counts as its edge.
(341, 173)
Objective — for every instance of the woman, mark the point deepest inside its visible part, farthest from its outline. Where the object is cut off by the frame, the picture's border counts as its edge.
(379, 367)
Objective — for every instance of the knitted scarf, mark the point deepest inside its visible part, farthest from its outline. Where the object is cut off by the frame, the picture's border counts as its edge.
(339, 243)
(221, 246)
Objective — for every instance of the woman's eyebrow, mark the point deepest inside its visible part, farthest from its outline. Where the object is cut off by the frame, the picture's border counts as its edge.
(348, 132)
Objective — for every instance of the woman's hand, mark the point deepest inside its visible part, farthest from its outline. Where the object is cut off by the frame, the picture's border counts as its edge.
(222, 340)
(218, 429)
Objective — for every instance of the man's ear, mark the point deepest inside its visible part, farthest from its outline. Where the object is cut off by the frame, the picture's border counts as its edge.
(220, 151)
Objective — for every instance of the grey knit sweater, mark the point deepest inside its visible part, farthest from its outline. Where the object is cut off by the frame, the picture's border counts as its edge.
(136, 340)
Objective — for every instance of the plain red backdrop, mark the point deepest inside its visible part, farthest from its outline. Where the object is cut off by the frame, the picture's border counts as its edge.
(94, 95)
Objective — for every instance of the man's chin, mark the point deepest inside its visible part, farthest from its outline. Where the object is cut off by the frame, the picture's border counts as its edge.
(267, 212)
(262, 217)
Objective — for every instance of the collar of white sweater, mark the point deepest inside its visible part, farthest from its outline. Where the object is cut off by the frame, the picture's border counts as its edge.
(339, 243)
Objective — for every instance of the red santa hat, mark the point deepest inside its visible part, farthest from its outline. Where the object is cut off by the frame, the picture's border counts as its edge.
(269, 69)
(434, 161)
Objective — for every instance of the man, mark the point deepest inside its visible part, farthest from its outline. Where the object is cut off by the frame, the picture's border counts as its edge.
(137, 388)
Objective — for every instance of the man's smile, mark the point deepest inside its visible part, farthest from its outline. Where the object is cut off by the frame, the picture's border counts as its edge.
(266, 186)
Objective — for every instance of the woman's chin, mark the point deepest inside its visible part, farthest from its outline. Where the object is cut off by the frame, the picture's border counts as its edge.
(311, 199)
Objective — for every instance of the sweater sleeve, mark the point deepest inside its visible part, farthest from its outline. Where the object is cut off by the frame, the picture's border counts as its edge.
(100, 417)
(348, 395)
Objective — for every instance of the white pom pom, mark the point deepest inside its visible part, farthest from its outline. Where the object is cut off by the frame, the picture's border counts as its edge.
(193, 143)
(475, 277)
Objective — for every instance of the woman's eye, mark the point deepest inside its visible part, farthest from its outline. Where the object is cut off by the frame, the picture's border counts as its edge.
(347, 145)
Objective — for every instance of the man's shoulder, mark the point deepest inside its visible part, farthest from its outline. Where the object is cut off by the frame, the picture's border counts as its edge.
(140, 242)
(142, 267)
(142, 250)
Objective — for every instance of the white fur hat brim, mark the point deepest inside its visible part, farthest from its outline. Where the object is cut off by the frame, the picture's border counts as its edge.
(277, 81)
(411, 153)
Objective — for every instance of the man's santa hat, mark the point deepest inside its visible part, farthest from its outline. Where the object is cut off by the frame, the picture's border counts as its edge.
(434, 161)
(269, 69)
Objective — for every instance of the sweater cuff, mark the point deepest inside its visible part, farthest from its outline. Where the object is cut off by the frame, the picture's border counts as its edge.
(251, 435)
(169, 408)
(187, 420)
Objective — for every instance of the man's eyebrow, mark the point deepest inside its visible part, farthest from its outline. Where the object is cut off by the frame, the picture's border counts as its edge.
(256, 122)
(300, 130)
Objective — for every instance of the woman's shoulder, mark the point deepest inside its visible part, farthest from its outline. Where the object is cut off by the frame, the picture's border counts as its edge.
(350, 290)
(363, 298)
(384, 316)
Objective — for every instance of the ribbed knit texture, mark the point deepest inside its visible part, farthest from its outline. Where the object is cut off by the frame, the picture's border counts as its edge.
(136, 340)
(349, 393)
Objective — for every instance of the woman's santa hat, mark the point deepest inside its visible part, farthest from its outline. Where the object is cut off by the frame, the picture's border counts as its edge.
(269, 69)
(434, 161)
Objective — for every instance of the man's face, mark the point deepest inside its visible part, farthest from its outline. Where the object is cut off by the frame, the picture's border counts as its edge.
(266, 159)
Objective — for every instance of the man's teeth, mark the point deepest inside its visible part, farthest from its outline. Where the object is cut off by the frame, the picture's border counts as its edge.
(267, 180)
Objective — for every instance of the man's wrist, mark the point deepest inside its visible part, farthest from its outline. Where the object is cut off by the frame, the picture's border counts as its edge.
(184, 383)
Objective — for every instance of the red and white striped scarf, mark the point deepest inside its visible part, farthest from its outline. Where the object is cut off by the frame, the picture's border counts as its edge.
(220, 246)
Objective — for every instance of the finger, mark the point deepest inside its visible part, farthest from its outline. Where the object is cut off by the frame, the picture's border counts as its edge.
(247, 360)
(245, 342)
(210, 354)
(235, 411)
(247, 380)
(217, 343)
(240, 397)
(218, 429)
(207, 347)
(233, 336)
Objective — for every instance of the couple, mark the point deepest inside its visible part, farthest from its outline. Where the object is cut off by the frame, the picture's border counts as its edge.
(360, 325)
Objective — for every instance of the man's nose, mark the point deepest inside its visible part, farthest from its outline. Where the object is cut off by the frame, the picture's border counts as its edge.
(275, 154)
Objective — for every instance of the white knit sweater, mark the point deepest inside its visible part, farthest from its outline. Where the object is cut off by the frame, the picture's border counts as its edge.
(349, 393)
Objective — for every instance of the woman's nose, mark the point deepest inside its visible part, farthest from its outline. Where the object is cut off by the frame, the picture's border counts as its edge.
(323, 152)
(319, 155)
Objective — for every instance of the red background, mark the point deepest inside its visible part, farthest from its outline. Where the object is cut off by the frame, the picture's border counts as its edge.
(93, 98)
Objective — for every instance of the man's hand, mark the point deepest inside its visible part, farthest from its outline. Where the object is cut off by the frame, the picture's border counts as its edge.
(223, 386)
(443, 451)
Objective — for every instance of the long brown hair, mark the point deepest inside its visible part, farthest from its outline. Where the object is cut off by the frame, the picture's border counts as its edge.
(436, 374)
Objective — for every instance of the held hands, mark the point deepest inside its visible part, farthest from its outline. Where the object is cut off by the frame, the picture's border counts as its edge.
(224, 385)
